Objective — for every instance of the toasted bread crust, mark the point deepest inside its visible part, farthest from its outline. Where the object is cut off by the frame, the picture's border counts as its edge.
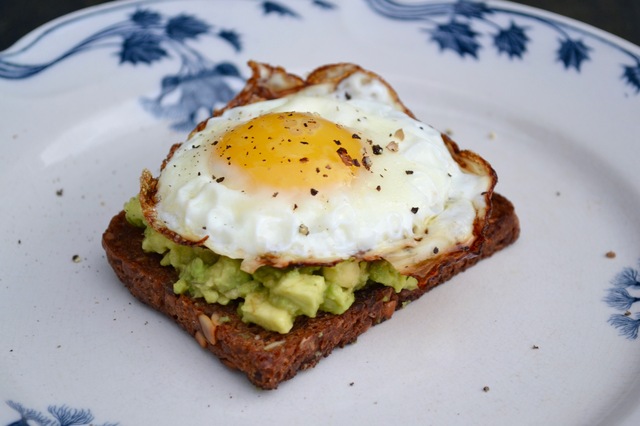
(266, 357)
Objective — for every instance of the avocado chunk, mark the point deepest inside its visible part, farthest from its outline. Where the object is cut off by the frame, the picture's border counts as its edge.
(348, 274)
(257, 309)
(337, 299)
(306, 292)
(382, 272)
(133, 212)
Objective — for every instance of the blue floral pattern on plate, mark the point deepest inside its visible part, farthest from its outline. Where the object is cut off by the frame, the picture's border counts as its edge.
(147, 37)
(201, 84)
(59, 415)
(623, 296)
(458, 26)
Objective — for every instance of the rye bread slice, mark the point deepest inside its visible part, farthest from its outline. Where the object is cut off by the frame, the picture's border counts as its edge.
(266, 357)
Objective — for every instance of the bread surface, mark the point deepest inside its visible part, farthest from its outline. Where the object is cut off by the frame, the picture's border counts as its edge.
(269, 358)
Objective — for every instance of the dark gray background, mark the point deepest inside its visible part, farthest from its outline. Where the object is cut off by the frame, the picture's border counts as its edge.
(619, 17)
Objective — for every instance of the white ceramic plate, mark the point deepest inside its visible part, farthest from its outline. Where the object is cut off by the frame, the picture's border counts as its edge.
(543, 333)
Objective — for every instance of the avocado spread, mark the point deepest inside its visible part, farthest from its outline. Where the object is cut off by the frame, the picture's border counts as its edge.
(271, 297)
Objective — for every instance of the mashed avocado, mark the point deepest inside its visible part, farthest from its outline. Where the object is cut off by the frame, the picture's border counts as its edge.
(271, 297)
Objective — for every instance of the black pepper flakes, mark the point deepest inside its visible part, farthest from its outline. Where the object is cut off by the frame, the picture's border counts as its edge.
(337, 142)
(76, 258)
(355, 136)
(378, 188)
(220, 179)
(314, 192)
(304, 160)
(377, 149)
(345, 157)
(409, 172)
(366, 162)
(59, 192)
(436, 250)
(414, 210)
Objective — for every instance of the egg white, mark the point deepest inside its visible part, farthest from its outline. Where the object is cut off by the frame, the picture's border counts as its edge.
(415, 195)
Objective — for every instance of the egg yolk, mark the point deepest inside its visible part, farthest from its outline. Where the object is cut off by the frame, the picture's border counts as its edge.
(292, 150)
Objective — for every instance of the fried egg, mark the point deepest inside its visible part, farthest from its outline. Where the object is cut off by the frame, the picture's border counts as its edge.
(331, 171)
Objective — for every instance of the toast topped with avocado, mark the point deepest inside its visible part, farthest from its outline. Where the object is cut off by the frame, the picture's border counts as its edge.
(300, 215)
